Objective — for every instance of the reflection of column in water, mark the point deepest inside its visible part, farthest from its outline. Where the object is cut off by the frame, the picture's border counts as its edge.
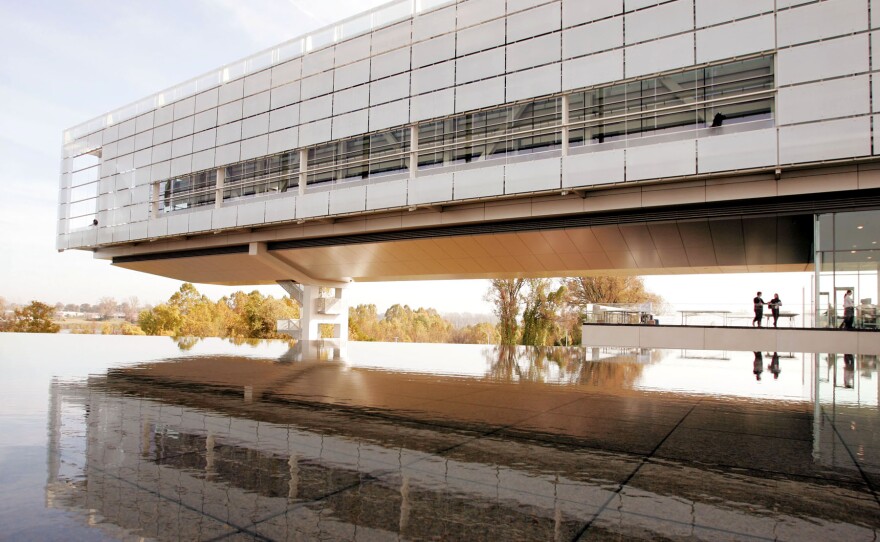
(209, 454)
(817, 409)
(405, 505)
(293, 485)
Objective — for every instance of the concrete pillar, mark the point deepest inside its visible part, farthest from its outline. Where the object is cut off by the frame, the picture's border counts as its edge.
(323, 306)
(218, 194)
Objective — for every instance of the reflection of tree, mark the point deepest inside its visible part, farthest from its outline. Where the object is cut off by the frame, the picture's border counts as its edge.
(559, 364)
(186, 343)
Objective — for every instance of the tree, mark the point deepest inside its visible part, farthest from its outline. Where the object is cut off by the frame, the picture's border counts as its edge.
(505, 295)
(34, 318)
(542, 313)
(107, 308)
(585, 290)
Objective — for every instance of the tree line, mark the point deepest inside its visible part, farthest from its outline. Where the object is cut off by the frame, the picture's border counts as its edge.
(535, 312)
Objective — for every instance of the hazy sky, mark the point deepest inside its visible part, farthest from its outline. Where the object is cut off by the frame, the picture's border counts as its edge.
(67, 61)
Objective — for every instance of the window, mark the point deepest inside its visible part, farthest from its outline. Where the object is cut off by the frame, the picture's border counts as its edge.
(271, 174)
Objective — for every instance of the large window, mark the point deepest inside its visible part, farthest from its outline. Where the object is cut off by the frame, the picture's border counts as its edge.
(188, 191)
(84, 189)
(714, 95)
(268, 175)
(369, 155)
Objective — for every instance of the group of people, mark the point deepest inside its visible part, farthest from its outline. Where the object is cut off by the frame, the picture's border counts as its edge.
(773, 304)
(758, 365)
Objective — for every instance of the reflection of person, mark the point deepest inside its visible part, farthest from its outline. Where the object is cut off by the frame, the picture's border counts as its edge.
(849, 370)
(849, 310)
(759, 310)
(774, 305)
(758, 365)
(774, 365)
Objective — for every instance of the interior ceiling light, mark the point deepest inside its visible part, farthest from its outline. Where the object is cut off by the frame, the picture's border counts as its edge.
(852, 251)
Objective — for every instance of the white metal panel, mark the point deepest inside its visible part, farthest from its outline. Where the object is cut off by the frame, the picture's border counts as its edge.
(534, 52)
(434, 50)
(663, 20)
(207, 100)
(821, 20)
(285, 95)
(351, 75)
(669, 159)
(480, 65)
(534, 82)
(111, 133)
(592, 70)
(143, 140)
(109, 151)
(478, 183)
(184, 108)
(284, 117)
(228, 133)
(126, 146)
(163, 115)
(178, 223)
(231, 91)
(227, 154)
(257, 82)
(283, 140)
(143, 158)
(224, 217)
(391, 37)
(534, 22)
(316, 108)
(432, 105)
(161, 170)
(314, 204)
(254, 126)
(158, 227)
(203, 140)
(391, 63)
(316, 85)
(139, 230)
(430, 188)
(105, 235)
(179, 147)
(256, 104)
(352, 50)
(140, 212)
(741, 150)
(471, 13)
(140, 194)
(251, 213)
(182, 165)
(281, 208)
(387, 194)
(348, 200)
(389, 89)
(350, 124)
(143, 175)
(478, 38)
(254, 147)
(532, 176)
(660, 55)
(390, 114)
(287, 72)
(593, 37)
(143, 122)
(314, 132)
(229, 112)
(519, 5)
(433, 77)
(317, 61)
(824, 100)
(161, 134)
(433, 23)
(711, 12)
(479, 94)
(180, 128)
(200, 220)
(204, 120)
(632, 5)
(121, 234)
(827, 140)
(824, 59)
(735, 39)
(351, 99)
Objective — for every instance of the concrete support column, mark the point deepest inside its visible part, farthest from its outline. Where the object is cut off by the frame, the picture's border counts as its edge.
(413, 151)
(154, 201)
(566, 101)
(323, 306)
(303, 170)
(221, 180)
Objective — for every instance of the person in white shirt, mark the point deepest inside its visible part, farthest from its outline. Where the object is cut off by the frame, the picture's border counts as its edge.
(849, 310)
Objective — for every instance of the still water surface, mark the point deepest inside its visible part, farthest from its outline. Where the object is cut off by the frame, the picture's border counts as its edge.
(106, 438)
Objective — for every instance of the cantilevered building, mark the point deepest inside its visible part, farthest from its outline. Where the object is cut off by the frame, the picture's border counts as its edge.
(489, 138)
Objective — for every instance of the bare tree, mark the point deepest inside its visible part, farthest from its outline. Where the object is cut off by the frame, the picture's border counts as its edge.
(107, 307)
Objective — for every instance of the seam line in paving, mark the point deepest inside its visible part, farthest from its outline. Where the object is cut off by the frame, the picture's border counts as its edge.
(635, 471)
(852, 456)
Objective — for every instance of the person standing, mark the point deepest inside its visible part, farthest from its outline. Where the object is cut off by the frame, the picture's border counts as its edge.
(758, 365)
(849, 310)
(774, 365)
(774, 305)
(759, 310)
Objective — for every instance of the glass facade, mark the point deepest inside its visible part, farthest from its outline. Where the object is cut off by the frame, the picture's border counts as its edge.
(847, 258)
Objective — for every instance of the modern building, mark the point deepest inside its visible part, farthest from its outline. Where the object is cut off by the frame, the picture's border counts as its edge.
(491, 138)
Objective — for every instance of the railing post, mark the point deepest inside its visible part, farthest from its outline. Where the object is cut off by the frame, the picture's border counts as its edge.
(566, 98)
(303, 170)
(413, 151)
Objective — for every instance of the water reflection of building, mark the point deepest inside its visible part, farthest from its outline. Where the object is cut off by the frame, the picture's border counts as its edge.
(168, 450)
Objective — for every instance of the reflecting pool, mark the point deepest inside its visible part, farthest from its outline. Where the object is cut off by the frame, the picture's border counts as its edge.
(106, 438)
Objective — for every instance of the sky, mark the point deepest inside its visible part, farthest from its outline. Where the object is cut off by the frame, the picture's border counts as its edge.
(65, 62)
